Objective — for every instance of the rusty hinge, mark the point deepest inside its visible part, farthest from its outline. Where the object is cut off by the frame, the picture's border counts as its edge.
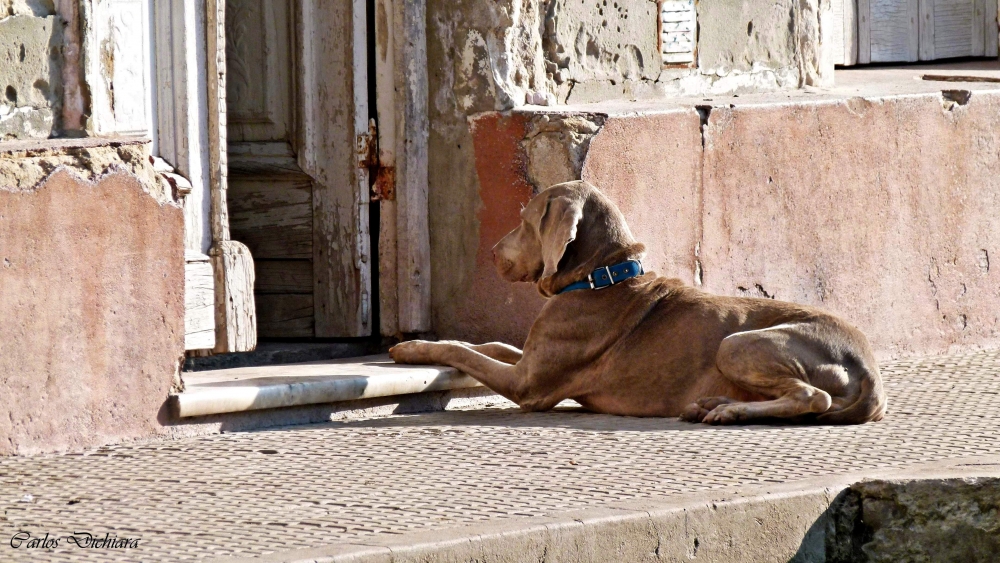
(384, 186)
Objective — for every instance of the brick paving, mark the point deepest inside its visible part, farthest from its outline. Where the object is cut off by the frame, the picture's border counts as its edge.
(248, 494)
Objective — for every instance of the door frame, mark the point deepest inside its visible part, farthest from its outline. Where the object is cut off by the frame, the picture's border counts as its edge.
(401, 89)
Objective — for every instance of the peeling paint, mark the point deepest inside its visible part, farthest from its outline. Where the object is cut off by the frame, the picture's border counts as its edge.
(517, 51)
(108, 67)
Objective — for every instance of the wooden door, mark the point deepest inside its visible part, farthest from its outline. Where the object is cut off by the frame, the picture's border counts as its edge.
(298, 197)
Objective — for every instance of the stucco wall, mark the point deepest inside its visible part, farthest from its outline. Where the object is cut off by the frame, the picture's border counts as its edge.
(805, 202)
(505, 54)
(92, 297)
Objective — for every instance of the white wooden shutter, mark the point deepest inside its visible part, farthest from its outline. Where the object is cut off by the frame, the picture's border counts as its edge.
(958, 28)
(910, 30)
(122, 96)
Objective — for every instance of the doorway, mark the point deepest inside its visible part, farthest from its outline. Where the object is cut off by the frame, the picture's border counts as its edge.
(298, 193)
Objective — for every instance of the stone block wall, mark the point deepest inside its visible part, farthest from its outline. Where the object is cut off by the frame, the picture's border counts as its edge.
(91, 240)
(806, 202)
(886, 211)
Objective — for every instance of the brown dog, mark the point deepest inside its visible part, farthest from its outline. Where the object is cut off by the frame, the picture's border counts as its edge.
(650, 346)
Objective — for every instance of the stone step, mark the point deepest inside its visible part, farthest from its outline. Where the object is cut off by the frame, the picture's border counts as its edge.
(308, 383)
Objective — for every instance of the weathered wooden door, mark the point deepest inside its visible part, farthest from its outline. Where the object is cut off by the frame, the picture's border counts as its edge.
(298, 196)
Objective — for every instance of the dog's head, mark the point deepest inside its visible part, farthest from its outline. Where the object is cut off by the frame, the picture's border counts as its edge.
(566, 232)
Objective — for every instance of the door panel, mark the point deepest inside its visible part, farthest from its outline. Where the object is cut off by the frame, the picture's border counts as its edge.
(285, 276)
(259, 61)
(272, 215)
(285, 315)
(894, 32)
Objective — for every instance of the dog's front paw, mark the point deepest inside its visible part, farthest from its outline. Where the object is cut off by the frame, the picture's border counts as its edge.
(413, 352)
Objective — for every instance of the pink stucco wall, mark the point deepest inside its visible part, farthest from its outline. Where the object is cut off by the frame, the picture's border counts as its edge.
(91, 312)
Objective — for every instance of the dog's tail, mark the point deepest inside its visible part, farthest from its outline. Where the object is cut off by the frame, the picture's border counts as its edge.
(869, 405)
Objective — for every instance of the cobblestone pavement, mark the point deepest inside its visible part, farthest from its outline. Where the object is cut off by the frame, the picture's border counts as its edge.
(259, 492)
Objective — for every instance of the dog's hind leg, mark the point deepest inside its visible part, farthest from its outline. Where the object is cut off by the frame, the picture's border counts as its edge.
(797, 401)
(787, 364)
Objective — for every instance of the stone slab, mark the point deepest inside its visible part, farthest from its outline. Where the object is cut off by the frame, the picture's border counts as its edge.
(856, 82)
(883, 211)
(268, 387)
(650, 167)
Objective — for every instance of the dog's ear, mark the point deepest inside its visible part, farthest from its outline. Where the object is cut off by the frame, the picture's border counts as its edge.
(557, 229)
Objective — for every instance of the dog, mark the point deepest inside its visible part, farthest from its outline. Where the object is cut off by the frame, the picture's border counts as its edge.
(621, 341)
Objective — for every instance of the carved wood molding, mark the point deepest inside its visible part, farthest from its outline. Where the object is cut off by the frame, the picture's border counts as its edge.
(259, 57)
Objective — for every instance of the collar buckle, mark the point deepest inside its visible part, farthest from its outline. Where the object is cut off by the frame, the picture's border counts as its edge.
(607, 272)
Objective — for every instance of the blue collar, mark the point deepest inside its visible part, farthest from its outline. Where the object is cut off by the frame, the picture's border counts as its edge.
(606, 276)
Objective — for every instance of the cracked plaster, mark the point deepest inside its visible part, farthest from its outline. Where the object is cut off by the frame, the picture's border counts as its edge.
(24, 169)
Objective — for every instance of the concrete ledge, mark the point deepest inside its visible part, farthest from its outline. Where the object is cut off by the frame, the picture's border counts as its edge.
(69, 143)
(825, 520)
(268, 387)
(756, 529)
